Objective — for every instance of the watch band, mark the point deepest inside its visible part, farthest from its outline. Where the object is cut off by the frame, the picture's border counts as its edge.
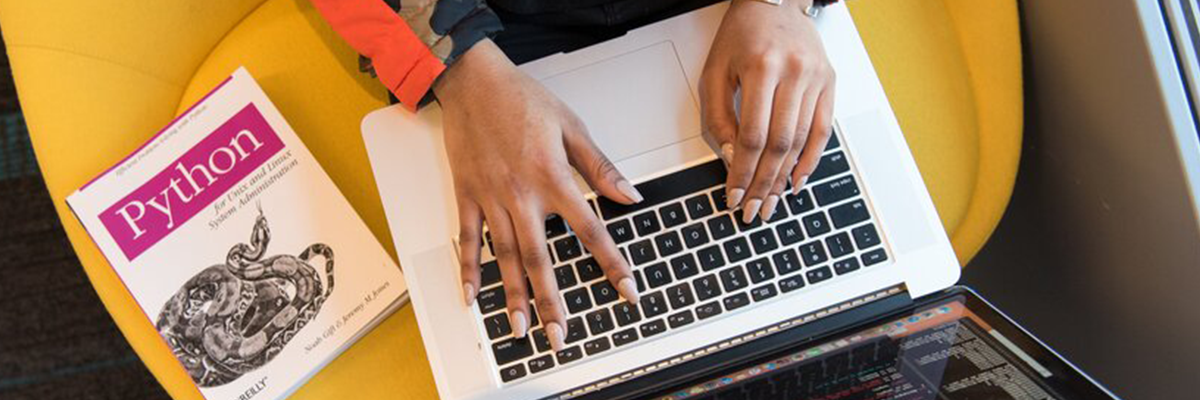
(811, 10)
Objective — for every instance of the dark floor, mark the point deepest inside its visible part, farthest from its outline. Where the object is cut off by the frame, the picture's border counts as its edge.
(56, 339)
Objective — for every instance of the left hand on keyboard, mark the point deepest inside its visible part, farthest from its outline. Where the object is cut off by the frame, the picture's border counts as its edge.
(774, 55)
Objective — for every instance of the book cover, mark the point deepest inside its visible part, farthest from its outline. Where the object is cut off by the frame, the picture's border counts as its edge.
(253, 267)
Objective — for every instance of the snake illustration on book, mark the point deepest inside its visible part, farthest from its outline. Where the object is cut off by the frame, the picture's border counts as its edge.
(233, 318)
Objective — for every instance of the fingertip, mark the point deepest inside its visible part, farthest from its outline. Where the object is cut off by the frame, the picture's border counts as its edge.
(469, 293)
(554, 332)
(630, 192)
(734, 197)
(628, 289)
(751, 210)
(520, 323)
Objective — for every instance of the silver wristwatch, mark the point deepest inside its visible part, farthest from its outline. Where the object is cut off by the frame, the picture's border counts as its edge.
(810, 10)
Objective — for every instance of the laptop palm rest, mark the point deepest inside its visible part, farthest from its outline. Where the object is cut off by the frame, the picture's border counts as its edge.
(644, 103)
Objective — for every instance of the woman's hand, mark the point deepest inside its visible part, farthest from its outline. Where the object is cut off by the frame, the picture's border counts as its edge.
(772, 58)
(512, 146)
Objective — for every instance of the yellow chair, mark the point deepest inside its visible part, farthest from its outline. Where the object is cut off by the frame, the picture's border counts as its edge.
(96, 79)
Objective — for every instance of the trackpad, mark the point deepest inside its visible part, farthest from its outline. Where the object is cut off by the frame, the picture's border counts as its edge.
(632, 103)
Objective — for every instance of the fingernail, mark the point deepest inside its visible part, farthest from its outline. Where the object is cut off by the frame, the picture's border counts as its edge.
(751, 210)
(629, 191)
(628, 289)
(727, 152)
(734, 197)
(519, 323)
(469, 293)
(554, 332)
(768, 209)
(800, 185)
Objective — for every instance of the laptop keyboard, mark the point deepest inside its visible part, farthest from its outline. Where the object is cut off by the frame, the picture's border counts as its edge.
(693, 261)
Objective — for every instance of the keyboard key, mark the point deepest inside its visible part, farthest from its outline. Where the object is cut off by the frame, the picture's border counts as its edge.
(489, 273)
(694, 235)
(533, 315)
(786, 262)
(685, 266)
(800, 203)
(835, 190)
(791, 283)
(698, 207)
(668, 243)
(514, 372)
(646, 223)
(625, 337)
(540, 340)
(507, 351)
(600, 321)
(845, 266)
(641, 283)
(760, 270)
(737, 249)
(718, 198)
(813, 253)
(569, 354)
(491, 300)
(706, 287)
(833, 142)
(626, 313)
(874, 257)
(733, 278)
(711, 258)
(567, 248)
(555, 226)
(588, 269)
(642, 252)
(604, 293)
(621, 231)
(789, 233)
(668, 188)
(839, 245)
(497, 326)
(721, 227)
(681, 318)
(541, 364)
(865, 236)
(653, 305)
(849, 214)
(763, 292)
(781, 213)
(653, 328)
(816, 224)
(736, 301)
(706, 310)
(599, 345)
(565, 277)
(680, 296)
(830, 165)
(575, 330)
(763, 241)
(742, 226)
(672, 215)
(578, 300)
(818, 275)
(657, 275)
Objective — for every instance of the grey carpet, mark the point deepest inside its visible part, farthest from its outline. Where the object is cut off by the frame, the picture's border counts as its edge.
(56, 339)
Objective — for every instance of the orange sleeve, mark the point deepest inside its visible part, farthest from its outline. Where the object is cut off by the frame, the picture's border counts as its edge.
(402, 61)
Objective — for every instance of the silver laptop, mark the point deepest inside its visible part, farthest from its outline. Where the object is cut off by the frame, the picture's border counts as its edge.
(863, 229)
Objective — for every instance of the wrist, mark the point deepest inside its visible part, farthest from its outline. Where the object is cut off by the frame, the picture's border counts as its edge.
(479, 63)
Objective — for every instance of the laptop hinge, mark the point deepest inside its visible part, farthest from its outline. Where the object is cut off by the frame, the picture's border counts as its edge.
(813, 318)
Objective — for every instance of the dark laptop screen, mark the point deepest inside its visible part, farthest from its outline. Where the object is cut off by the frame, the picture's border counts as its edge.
(942, 352)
